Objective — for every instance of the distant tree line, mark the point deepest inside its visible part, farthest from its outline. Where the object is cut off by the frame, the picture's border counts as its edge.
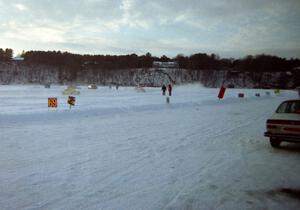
(199, 61)
(76, 61)
(258, 63)
(6, 55)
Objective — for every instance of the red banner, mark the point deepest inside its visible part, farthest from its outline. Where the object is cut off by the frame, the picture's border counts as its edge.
(221, 92)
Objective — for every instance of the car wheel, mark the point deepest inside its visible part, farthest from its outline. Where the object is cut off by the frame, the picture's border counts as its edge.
(275, 142)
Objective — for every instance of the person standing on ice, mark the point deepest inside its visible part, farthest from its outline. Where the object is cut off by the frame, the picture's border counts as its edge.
(170, 89)
(163, 88)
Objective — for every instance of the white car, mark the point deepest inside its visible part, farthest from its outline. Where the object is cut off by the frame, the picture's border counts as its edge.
(284, 124)
(92, 86)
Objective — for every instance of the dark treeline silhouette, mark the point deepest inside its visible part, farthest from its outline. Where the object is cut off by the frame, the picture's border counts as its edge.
(76, 61)
(6, 55)
(199, 61)
(258, 63)
(265, 63)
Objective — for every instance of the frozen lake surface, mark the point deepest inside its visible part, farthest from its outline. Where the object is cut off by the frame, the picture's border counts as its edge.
(122, 149)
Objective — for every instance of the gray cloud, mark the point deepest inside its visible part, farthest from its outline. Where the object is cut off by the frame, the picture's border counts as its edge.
(161, 27)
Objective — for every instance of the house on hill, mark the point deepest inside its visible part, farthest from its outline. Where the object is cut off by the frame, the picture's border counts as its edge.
(17, 58)
(169, 65)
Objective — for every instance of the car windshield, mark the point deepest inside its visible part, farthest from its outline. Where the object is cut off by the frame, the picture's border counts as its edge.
(289, 107)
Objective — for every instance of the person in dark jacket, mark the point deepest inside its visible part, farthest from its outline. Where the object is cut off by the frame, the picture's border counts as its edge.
(170, 89)
(163, 88)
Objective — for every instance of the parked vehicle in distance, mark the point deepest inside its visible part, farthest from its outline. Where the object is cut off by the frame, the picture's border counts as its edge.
(284, 124)
(92, 86)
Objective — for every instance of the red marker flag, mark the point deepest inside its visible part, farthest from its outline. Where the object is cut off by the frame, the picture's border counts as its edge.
(221, 92)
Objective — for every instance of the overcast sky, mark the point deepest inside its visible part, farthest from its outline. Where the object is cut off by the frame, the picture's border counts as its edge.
(230, 28)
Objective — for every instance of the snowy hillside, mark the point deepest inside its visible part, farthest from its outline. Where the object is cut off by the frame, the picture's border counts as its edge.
(22, 73)
(124, 149)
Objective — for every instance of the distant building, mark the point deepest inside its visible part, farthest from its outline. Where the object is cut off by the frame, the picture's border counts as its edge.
(170, 64)
(18, 58)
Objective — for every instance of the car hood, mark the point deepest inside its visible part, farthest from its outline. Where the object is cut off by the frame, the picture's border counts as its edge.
(285, 116)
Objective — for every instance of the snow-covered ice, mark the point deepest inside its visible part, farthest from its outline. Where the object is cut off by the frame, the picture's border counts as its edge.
(122, 149)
